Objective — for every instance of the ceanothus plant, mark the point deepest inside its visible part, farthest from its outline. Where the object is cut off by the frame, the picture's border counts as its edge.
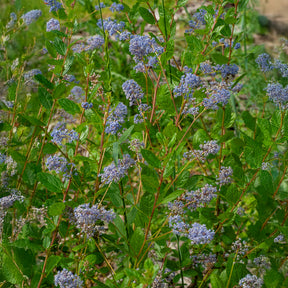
(143, 144)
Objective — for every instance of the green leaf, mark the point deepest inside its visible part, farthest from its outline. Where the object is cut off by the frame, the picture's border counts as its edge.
(146, 15)
(60, 46)
(194, 44)
(51, 49)
(219, 58)
(41, 79)
(45, 98)
(126, 134)
(56, 209)
(69, 106)
(146, 204)
(216, 282)
(52, 261)
(151, 158)
(249, 121)
(51, 182)
(136, 242)
(11, 272)
(59, 91)
(172, 196)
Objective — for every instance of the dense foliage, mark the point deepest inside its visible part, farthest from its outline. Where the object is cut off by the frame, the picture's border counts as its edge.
(143, 144)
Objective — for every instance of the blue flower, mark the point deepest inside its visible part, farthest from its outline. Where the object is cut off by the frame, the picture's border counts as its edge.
(31, 16)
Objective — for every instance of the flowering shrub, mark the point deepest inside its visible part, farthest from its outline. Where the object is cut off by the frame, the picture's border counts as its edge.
(134, 154)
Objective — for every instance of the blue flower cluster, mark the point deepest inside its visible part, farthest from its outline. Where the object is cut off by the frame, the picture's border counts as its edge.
(251, 281)
(54, 5)
(187, 85)
(66, 279)
(116, 117)
(224, 175)
(277, 93)
(13, 19)
(132, 91)
(111, 26)
(86, 105)
(77, 94)
(52, 24)
(101, 6)
(217, 95)
(209, 147)
(113, 173)
(264, 62)
(200, 197)
(116, 7)
(199, 234)
(31, 16)
(92, 43)
(198, 20)
(7, 201)
(60, 133)
(227, 70)
(88, 219)
(142, 46)
(59, 165)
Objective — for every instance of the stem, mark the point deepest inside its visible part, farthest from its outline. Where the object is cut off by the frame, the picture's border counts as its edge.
(180, 262)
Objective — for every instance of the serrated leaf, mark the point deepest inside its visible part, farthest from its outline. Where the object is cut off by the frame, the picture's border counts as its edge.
(52, 261)
(146, 15)
(41, 79)
(151, 158)
(51, 182)
(125, 135)
(136, 242)
(56, 209)
(45, 98)
(60, 46)
(69, 106)
(172, 196)
(59, 91)
(51, 49)
(219, 58)
(194, 44)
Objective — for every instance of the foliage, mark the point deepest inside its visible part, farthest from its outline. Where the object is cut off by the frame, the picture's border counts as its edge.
(134, 154)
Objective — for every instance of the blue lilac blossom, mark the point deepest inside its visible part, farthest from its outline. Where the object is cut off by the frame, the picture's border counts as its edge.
(218, 95)
(132, 91)
(277, 93)
(187, 85)
(7, 201)
(199, 234)
(77, 93)
(224, 175)
(198, 20)
(200, 197)
(60, 134)
(111, 26)
(52, 24)
(264, 62)
(138, 119)
(227, 70)
(283, 68)
(141, 46)
(251, 281)
(59, 165)
(280, 238)
(116, 7)
(262, 262)
(102, 5)
(115, 119)
(86, 105)
(113, 173)
(29, 76)
(125, 35)
(66, 279)
(54, 5)
(31, 16)
(177, 224)
(94, 42)
(13, 19)
(87, 218)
